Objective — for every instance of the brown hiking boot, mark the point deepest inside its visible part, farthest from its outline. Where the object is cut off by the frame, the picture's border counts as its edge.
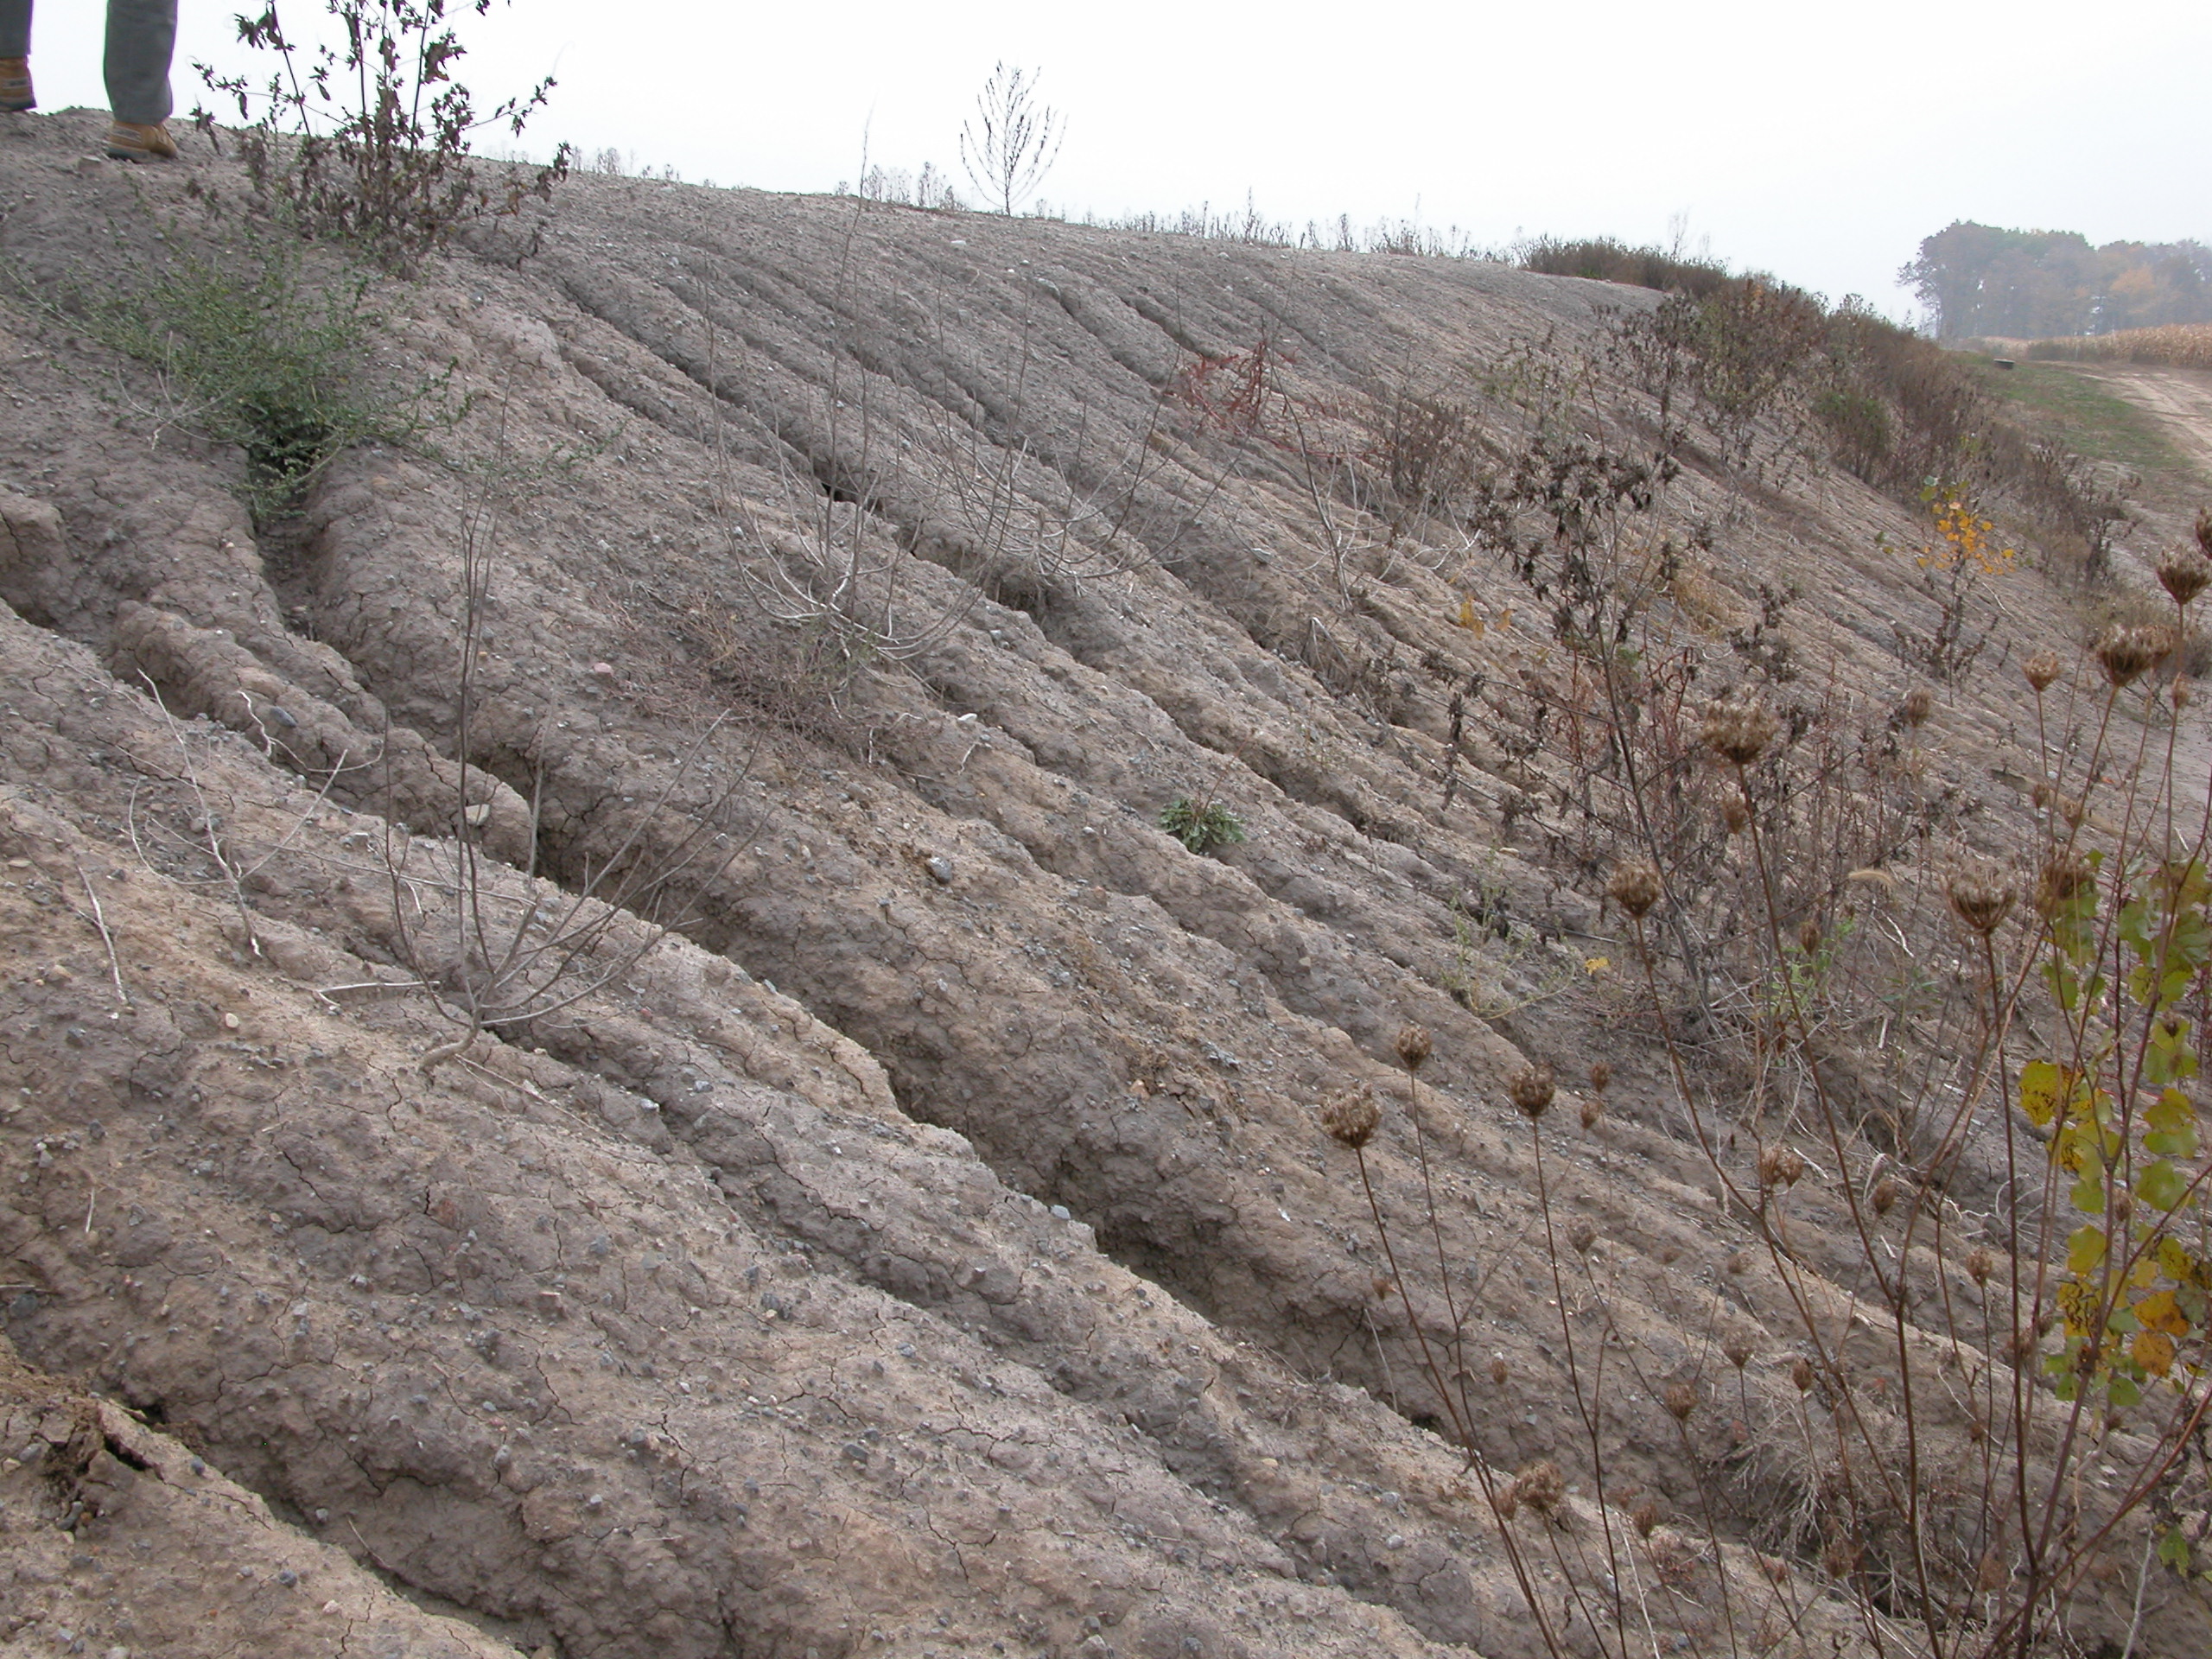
(16, 94)
(135, 140)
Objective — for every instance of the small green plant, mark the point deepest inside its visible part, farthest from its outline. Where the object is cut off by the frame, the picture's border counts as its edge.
(1201, 824)
(1803, 975)
(257, 354)
(368, 142)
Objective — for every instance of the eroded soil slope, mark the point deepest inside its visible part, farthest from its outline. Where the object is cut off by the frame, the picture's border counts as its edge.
(932, 1248)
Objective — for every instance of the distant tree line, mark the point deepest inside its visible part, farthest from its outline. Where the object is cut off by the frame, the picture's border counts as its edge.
(1979, 280)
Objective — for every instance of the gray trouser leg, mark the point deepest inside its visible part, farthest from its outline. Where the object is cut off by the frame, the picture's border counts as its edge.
(140, 40)
(14, 29)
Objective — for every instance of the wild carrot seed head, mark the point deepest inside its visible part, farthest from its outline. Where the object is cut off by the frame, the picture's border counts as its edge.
(1351, 1116)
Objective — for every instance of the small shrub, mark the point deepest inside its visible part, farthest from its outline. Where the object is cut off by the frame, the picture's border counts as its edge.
(369, 143)
(1952, 570)
(254, 353)
(1201, 825)
(1602, 258)
(1425, 447)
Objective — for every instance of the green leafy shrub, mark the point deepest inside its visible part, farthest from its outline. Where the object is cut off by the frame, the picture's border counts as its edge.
(254, 352)
(1201, 825)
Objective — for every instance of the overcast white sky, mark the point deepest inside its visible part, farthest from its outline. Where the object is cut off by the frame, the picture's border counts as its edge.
(1820, 142)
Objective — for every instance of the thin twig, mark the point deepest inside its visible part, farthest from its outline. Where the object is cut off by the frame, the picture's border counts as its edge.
(99, 921)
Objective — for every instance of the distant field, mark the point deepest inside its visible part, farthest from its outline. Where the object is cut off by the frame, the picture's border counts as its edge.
(2082, 412)
(2180, 345)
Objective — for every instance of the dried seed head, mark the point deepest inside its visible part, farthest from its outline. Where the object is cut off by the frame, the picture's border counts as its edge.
(2043, 669)
(2204, 530)
(1581, 1235)
(1737, 1345)
(1593, 1110)
(1740, 1264)
(1808, 936)
(2127, 653)
(1801, 1374)
(1681, 1400)
(2063, 879)
(1351, 1116)
(2184, 574)
(1739, 727)
(1989, 1577)
(1979, 1265)
(1498, 1370)
(1415, 1046)
(1884, 1196)
(1381, 1287)
(1540, 1486)
(1981, 898)
(1634, 887)
(1531, 1090)
(1918, 704)
(1645, 1518)
(1600, 1075)
(1734, 815)
(1507, 1502)
(2181, 693)
(1780, 1166)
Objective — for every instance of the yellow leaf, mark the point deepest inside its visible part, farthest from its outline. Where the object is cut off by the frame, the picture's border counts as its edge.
(2042, 1083)
(2078, 1306)
(2174, 1261)
(2153, 1351)
(2159, 1311)
(2085, 1249)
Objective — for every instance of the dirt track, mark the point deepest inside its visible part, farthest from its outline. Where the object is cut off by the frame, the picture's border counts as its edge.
(2180, 400)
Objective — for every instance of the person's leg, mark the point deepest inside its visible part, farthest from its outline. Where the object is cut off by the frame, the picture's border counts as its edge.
(14, 49)
(141, 39)
(14, 29)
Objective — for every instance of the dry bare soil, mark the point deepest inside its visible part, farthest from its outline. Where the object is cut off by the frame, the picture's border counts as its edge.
(931, 1249)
